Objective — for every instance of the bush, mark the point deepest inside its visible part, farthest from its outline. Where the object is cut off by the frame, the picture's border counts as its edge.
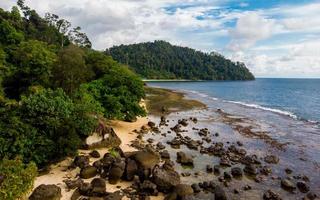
(119, 92)
(16, 178)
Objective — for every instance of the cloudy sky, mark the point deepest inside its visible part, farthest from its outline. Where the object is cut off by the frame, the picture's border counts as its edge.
(274, 38)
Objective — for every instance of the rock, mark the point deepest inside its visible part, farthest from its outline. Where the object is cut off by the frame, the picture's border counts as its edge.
(116, 171)
(75, 195)
(151, 124)
(175, 143)
(183, 122)
(146, 159)
(88, 172)
(250, 169)
(239, 143)
(220, 194)
(236, 172)
(184, 159)
(303, 187)
(81, 161)
(265, 170)
(209, 169)
(201, 196)
(85, 189)
(196, 188)
(148, 188)
(247, 187)
(150, 140)
(271, 159)
(311, 196)
(165, 179)
(94, 154)
(225, 161)
(73, 184)
(288, 171)
(46, 192)
(227, 175)
(287, 184)
(270, 195)
(160, 146)
(114, 196)
(98, 186)
(216, 169)
(183, 190)
(165, 154)
(131, 169)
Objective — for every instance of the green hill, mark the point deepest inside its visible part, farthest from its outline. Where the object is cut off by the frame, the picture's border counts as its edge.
(161, 60)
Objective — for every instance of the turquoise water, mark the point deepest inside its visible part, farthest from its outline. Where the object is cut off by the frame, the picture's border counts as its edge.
(298, 98)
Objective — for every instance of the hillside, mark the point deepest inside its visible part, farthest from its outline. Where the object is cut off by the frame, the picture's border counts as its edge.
(161, 60)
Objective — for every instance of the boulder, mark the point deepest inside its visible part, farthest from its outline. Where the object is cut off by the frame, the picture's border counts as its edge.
(73, 184)
(151, 124)
(146, 159)
(271, 159)
(287, 184)
(88, 172)
(236, 172)
(250, 169)
(183, 190)
(148, 188)
(81, 161)
(184, 159)
(270, 195)
(114, 196)
(196, 188)
(160, 146)
(303, 187)
(131, 169)
(47, 192)
(116, 171)
(94, 154)
(165, 154)
(98, 186)
(220, 194)
(165, 179)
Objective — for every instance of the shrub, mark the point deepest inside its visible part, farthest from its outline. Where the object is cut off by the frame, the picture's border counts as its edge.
(16, 178)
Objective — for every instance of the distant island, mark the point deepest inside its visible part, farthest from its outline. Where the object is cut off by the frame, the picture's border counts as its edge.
(161, 60)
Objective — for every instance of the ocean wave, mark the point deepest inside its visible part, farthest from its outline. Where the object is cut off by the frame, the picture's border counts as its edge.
(282, 112)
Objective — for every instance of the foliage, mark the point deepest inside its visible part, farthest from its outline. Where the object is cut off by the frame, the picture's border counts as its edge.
(33, 61)
(161, 60)
(71, 70)
(18, 178)
(119, 92)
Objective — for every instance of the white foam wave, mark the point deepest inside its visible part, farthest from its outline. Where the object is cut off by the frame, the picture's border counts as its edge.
(282, 112)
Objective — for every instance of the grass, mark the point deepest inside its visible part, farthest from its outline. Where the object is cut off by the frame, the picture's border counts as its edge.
(163, 101)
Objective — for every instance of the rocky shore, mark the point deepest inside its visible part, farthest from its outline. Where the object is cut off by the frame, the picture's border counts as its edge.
(180, 155)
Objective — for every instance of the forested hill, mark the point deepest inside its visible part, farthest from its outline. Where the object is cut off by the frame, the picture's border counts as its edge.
(161, 60)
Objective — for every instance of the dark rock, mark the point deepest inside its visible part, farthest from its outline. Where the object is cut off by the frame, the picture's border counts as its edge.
(250, 169)
(227, 176)
(46, 192)
(209, 169)
(265, 170)
(73, 184)
(236, 172)
(287, 184)
(196, 188)
(183, 190)
(288, 171)
(175, 143)
(184, 159)
(151, 124)
(200, 196)
(150, 140)
(303, 187)
(183, 122)
(88, 172)
(165, 179)
(148, 188)
(185, 174)
(216, 169)
(160, 146)
(236, 191)
(85, 189)
(131, 169)
(81, 161)
(114, 196)
(239, 143)
(116, 171)
(270, 195)
(225, 161)
(146, 159)
(98, 186)
(247, 187)
(95, 154)
(220, 194)
(165, 154)
(75, 195)
(311, 196)
(271, 159)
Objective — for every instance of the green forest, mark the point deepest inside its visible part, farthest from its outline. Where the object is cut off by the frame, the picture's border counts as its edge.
(54, 89)
(161, 60)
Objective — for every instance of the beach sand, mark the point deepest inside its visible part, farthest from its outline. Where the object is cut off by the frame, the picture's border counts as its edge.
(59, 172)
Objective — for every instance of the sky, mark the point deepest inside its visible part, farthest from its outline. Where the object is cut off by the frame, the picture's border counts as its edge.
(274, 38)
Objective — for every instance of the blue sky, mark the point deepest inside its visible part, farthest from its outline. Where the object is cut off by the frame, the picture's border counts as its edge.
(275, 38)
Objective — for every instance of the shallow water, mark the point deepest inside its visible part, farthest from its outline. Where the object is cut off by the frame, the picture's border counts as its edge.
(295, 142)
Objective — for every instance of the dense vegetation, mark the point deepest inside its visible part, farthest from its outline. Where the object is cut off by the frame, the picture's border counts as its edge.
(161, 60)
(53, 90)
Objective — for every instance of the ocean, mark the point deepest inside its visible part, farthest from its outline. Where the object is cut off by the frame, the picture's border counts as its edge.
(269, 116)
(298, 98)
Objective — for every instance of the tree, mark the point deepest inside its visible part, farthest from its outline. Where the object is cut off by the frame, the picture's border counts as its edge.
(9, 35)
(79, 38)
(33, 60)
(71, 70)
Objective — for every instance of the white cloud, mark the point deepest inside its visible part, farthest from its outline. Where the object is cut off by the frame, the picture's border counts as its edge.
(250, 28)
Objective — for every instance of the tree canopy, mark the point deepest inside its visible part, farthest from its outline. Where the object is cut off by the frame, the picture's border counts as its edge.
(161, 60)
